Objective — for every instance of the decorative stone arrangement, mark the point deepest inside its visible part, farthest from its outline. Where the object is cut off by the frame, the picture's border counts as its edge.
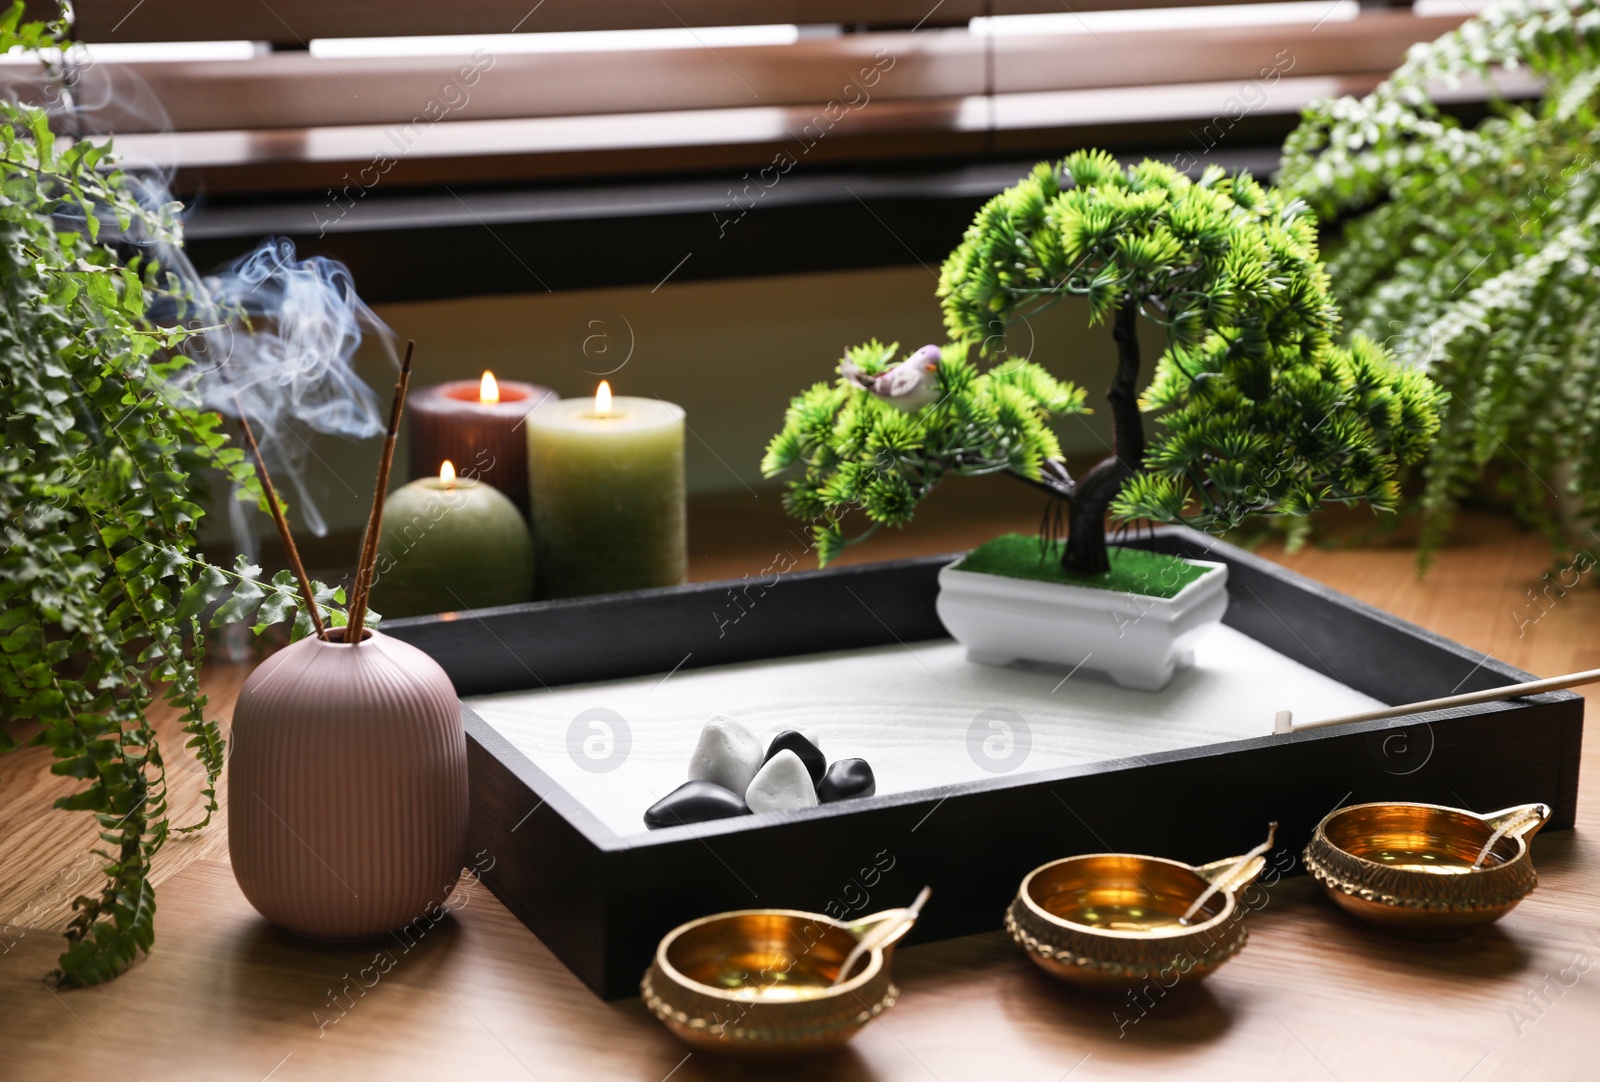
(730, 773)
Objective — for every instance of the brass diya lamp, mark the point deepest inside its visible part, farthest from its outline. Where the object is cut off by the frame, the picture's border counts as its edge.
(775, 982)
(1425, 871)
(1106, 920)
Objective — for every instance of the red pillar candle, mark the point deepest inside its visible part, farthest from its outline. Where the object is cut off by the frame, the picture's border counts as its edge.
(477, 424)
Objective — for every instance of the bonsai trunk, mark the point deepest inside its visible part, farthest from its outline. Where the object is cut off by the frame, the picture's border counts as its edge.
(1086, 551)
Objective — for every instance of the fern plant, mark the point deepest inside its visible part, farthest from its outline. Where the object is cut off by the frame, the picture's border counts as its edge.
(102, 590)
(1259, 412)
(1473, 248)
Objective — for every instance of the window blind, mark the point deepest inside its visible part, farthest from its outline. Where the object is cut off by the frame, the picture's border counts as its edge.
(306, 108)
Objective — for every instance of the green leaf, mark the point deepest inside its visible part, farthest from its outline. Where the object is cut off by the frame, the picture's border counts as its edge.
(280, 601)
(241, 604)
(1469, 252)
(206, 588)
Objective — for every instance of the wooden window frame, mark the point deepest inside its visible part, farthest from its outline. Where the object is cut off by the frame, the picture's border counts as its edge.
(290, 120)
(639, 154)
(295, 22)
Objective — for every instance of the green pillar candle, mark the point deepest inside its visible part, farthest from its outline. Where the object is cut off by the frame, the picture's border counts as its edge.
(450, 543)
(606, 480)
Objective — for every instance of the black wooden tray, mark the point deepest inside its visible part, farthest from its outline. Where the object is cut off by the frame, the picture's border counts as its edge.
(601, 902)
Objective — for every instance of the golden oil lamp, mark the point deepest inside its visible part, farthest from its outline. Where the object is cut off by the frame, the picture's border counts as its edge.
(775, 982)
(1105, 920)
(1425, 871)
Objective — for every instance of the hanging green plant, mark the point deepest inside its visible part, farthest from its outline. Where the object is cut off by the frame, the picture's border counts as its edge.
(1472, 250)
(102, 588)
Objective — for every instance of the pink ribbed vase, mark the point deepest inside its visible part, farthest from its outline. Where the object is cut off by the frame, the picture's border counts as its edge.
(347, 787)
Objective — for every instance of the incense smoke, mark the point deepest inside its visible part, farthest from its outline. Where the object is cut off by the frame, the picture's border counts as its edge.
(287, 331)
(277, 334)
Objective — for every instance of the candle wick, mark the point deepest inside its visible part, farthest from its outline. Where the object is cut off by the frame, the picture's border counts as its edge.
(1224, 879)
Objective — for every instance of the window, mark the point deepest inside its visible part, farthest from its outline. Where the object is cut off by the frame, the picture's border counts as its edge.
(298, 96)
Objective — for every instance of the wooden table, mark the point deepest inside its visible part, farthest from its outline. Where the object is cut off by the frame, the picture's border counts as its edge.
(1314, 996)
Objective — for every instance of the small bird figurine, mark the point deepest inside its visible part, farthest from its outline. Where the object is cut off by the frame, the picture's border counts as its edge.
(909, 385)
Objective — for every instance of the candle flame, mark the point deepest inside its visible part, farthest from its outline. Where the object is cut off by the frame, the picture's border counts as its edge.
(602, 399)
(447, 473)
(488, 389)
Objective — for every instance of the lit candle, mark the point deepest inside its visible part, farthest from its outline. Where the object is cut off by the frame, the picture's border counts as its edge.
(475, 423)
(606, 478)
(450, 543)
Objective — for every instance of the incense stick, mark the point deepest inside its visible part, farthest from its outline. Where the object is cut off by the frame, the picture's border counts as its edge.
(307, 594)
(369, 545)
(1284, 723)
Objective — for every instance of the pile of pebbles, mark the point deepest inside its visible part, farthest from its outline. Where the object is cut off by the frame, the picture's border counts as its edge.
(732, 774)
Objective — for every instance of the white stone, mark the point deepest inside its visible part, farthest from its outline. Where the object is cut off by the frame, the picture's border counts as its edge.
(728, 754)
(783, 784)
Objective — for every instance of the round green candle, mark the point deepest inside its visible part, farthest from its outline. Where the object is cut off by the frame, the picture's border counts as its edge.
(450, 543)
(606, 480)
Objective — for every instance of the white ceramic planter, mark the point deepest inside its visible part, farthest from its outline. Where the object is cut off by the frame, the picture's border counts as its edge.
(1138, 641)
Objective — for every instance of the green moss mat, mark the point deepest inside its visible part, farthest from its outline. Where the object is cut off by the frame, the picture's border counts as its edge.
(1133, 571)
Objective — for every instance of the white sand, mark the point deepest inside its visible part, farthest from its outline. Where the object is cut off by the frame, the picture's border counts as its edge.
(914, 712)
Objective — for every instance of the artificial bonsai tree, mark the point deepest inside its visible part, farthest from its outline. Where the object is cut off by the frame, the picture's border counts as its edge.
(1472, 249)
(1258, 411)
(103, 592)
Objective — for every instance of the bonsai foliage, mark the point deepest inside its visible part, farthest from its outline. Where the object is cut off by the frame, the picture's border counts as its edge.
(860, 451)
(101, 588)
(1474, 248)
(1259, 412)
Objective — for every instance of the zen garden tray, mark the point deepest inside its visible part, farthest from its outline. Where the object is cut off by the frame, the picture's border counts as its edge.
(580, 714)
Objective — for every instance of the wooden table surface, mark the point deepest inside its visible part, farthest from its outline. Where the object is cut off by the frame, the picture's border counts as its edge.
(1313, 996)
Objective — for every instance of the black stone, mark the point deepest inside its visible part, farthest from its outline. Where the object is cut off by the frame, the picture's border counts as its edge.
(789, 740)
(694, 802)
(845, 779)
